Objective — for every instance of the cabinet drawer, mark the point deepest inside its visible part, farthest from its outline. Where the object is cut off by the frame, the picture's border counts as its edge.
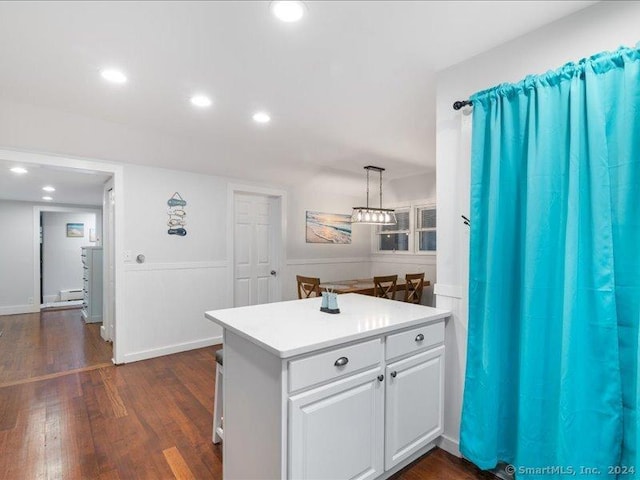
(334, 363)
(415, 339)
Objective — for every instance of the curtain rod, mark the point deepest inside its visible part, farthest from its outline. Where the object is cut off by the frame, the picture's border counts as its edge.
(461, 103)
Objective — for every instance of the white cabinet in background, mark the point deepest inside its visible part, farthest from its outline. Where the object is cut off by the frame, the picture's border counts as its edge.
(92, 284)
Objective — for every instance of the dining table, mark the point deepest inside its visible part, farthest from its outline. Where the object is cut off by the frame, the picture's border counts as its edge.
(363, 286)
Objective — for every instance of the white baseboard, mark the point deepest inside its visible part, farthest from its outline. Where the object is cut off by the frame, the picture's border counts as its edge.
(168, 350)
(19, 309)
(449, 445)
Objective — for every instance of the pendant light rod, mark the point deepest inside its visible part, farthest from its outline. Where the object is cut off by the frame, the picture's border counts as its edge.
(380, 189)
(367, 187)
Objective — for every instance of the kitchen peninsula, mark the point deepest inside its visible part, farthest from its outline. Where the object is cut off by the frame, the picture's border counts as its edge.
(356, 395)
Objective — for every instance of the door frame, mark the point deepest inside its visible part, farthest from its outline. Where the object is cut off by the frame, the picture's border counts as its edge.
(108, 235)
(37, 210)
(281, 195)
(117, 174)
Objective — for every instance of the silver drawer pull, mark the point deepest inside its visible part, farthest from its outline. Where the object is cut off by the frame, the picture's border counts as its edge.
(341, 362)
(394, 373)
(419, 337)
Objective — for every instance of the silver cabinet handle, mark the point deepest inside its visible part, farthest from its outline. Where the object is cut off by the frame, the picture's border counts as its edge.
(273, 273)
(394, 373)
(341, 362)
(380, 378)
(419, 337)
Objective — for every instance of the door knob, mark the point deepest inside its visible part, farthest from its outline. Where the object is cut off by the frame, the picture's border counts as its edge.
(273, 272)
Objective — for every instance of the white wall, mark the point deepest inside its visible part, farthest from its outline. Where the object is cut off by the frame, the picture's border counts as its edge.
(182, 277)
(17, 262)
(62, 268)
(326, 261)
(16, 258)
(605, 26)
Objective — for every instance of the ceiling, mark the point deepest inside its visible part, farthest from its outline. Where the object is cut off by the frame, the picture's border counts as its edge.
(73, 187)
(352, 84)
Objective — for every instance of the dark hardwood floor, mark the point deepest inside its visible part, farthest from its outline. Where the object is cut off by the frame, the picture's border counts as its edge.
(44, 344)
(149, 419)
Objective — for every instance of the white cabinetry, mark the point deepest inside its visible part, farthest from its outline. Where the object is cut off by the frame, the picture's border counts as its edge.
(413, 404)
(92, 284)
(346, 428)
(355, 396)
(337, 430)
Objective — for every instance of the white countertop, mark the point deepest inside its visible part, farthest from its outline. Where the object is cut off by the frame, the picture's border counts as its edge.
(298, 326)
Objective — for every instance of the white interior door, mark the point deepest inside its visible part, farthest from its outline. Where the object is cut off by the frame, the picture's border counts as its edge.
(256, 247)
(108, 234)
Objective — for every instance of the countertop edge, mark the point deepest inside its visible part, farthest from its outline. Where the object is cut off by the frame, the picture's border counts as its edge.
(284, 354)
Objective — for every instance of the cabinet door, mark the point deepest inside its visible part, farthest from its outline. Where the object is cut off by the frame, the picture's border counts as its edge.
(336, 431)
(413, 404)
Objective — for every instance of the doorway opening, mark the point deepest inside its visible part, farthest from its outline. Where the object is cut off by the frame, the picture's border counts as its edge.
(103, 182)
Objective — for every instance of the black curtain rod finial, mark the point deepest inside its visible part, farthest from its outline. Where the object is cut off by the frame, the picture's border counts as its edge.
(461, 103)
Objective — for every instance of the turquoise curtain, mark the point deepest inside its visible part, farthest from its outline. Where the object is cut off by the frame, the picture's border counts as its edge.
(554, 283)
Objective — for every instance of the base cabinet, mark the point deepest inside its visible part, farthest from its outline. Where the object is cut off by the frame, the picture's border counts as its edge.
(366, 424)
(337, 430)
(413, 406)
(356, 411)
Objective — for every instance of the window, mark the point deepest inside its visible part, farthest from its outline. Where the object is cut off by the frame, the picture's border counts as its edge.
(415, 232)
(393, 238)
(426, 229)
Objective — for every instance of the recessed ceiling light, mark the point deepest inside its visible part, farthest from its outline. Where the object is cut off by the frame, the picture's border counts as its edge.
(114, 76)
(48, 199)
(288, 10)
(201, 101)
(19, 170)
(48, 188)
(261, 117)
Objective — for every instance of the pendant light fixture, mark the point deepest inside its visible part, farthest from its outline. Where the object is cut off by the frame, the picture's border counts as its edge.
(371, 215)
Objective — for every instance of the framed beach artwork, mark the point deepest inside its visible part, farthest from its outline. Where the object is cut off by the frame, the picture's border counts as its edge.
(328, 228)
(75, 229)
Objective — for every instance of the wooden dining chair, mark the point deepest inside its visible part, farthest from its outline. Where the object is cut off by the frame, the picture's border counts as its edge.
(385, 287)
(307, 286)
(414, 287)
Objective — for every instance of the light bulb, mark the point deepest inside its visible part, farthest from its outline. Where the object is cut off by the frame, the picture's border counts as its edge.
(288, 11)
(359, 217)
(387, 218)
(114, 76)
(367, 217)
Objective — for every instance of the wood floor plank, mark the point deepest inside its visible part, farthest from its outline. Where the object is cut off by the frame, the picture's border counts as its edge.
(119, 410)
(177, 464)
